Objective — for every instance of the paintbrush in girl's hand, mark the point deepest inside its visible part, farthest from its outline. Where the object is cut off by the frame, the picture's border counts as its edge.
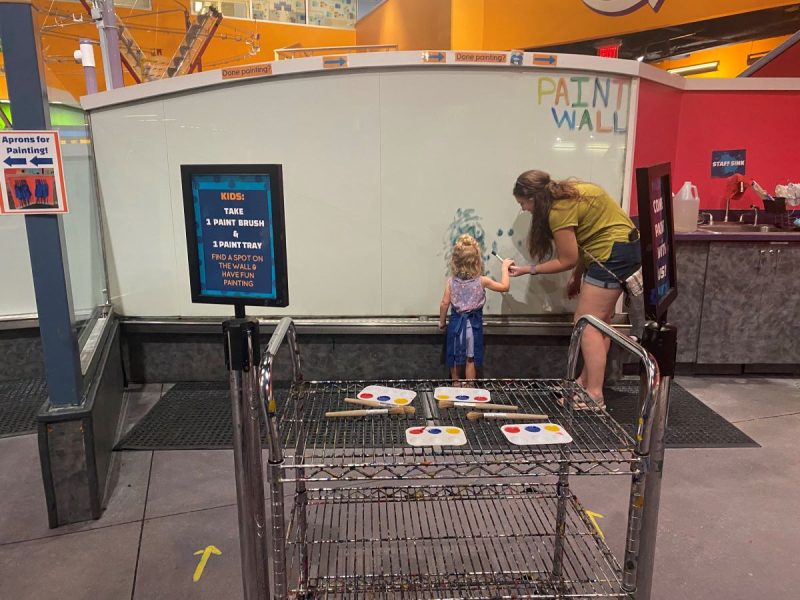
(459, 404)
(397, 410)
(476, 416)
(377, 404)
(497, 256)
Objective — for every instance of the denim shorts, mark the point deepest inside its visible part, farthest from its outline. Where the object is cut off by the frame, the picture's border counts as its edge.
(625, 259)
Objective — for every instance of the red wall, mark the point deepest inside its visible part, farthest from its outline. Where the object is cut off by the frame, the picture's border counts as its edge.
(657, 121)
(765, 124)
(786, 64)
(684, 127)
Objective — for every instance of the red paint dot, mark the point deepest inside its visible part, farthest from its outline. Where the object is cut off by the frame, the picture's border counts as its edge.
(417, 430)
(480, 398)
(511, 429)
(365, 395)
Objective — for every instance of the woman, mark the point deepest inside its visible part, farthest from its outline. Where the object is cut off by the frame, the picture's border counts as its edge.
(577, 225)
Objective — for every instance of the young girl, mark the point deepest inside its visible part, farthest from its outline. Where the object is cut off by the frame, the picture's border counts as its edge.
(464, 292)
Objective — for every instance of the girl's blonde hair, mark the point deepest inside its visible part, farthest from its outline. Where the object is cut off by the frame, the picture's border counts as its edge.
(466, 261)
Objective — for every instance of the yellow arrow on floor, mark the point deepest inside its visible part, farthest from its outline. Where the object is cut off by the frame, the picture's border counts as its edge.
(209, 550)
(593, 516)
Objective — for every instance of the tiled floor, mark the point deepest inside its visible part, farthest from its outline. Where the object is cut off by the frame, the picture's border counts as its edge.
(728, 525)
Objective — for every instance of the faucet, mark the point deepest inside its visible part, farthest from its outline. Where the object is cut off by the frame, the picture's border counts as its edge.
(755, 215)
(710, 218)
(738, 192)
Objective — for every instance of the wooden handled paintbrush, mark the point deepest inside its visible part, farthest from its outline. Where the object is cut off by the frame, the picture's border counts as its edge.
(410, 410)
(369, 412)
(521, 417)
(482, 405)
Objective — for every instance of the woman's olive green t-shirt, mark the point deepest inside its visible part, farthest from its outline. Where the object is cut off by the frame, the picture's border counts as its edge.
(597, 218)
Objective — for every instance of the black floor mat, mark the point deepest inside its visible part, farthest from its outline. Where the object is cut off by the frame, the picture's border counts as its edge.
(197, 416)
(20, 401)
(691, 423)
(190, 416)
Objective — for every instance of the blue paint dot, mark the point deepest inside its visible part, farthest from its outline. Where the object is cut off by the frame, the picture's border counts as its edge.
(510, 232)
(434, 431)
(384, 398)
(533, 429)
(499, 233)
(462, 397)
(519, 243)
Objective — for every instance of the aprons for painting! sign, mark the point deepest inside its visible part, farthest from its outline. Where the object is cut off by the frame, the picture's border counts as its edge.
(31, 180)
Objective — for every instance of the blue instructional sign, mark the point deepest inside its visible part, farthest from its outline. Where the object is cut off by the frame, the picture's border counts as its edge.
(725, 163)
(235, 232)
(661, 249)
(653, 185)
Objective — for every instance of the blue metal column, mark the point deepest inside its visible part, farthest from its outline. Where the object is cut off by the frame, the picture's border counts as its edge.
(27, 90)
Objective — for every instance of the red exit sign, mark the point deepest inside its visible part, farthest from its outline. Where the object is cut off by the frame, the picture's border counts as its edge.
(609, 51)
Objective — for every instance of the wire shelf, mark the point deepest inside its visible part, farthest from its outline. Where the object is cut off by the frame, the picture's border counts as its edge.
(324, 449)
(443, 541)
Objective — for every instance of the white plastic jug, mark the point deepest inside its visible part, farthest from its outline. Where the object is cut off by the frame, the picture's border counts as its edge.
(685, 208)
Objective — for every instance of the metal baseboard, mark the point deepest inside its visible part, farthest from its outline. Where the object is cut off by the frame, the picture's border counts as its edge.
(538, 325)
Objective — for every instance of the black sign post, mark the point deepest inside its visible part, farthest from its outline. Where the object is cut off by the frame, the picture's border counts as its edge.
(653, 186)
(236, 241)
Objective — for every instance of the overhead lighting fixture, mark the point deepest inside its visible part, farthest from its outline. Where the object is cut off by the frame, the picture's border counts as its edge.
(640, 58)
(756, 56)
(695, 69)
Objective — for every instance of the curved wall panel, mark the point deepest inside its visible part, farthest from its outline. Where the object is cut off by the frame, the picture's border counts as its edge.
(382, 169)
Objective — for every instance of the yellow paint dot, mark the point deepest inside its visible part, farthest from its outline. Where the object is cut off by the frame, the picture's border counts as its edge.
(443, 397)
(401, 401)
(552, 427)
(453, 430)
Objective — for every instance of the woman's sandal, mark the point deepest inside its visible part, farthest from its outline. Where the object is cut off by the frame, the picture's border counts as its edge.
(579, 404)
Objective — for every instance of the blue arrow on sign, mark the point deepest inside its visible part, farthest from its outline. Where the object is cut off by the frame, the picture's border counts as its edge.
(439, 56)
(548, 59)
(335, 61)
(15, 161)
(41, 161)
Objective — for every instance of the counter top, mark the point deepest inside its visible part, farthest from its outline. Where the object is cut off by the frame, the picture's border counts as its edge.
(702, 235)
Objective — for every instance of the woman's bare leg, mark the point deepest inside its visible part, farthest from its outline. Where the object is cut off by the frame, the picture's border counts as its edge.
(599, 302)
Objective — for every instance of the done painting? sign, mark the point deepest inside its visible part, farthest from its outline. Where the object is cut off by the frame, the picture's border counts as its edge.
(235, 234)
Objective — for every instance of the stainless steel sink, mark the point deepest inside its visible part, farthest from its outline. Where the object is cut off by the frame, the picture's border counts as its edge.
(739, 228)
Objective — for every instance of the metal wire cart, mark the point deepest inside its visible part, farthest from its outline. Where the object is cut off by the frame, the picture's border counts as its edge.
(356, 512)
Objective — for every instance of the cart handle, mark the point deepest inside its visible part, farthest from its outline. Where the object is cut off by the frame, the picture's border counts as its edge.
(285, 330)
(644, 426)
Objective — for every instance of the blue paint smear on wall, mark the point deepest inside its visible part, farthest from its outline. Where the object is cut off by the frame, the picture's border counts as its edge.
(466, 221)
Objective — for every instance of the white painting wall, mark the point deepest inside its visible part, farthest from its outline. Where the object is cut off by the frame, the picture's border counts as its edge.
(382, 169)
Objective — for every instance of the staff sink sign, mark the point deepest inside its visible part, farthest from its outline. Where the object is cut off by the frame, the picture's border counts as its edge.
(725, 163)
